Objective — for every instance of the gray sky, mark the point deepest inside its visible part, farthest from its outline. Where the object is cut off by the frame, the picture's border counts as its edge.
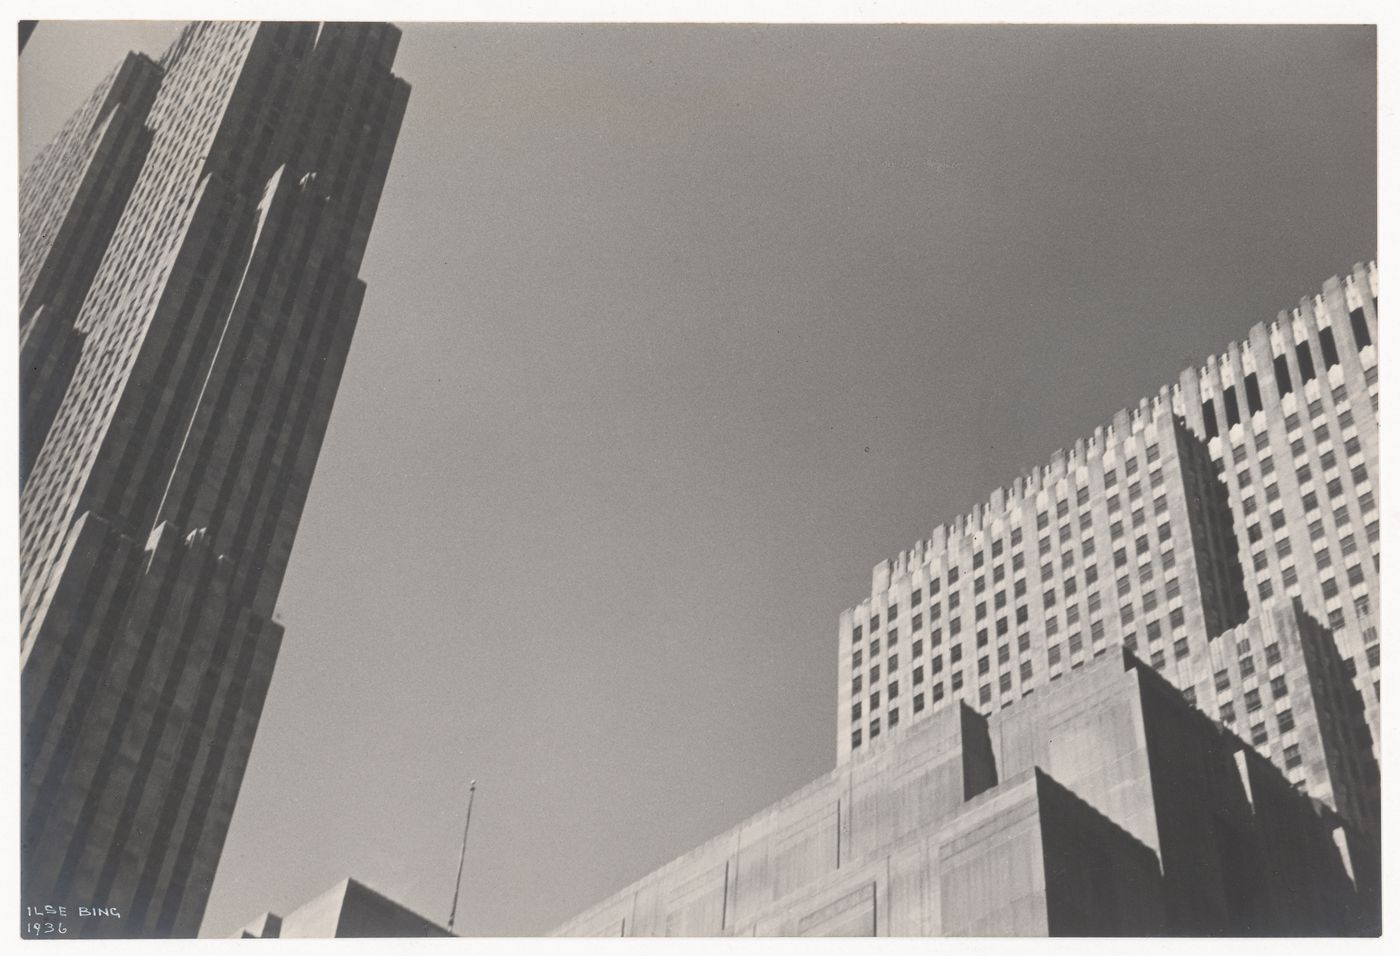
(671, 334)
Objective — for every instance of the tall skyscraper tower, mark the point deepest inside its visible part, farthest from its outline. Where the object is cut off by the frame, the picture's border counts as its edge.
(190, 245)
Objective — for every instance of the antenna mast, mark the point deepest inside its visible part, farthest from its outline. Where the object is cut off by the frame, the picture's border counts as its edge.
(461, 861)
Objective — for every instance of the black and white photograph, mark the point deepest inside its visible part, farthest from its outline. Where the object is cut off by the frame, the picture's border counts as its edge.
(870, 472)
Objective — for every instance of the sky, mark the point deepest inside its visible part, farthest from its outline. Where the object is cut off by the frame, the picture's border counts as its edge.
(672, 333)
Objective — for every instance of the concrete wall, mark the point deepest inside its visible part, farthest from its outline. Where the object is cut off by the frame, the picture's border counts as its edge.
(1101, 804)
(347, 910)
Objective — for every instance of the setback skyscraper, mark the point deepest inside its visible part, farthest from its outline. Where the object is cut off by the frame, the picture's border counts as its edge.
(1137, 692)
(1250, 482)
(190, 245)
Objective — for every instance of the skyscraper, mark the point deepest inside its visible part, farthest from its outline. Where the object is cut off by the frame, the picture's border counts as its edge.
(190, 245)
(1178, 531)
(1168, 628)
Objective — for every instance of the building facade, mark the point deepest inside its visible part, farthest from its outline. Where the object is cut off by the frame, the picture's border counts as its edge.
(1137, 692)
(1104, 805)
(348, 910)
(1175, 532)
(190, 245)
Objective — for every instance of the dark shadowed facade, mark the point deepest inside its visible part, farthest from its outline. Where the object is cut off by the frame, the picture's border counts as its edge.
(190, 245)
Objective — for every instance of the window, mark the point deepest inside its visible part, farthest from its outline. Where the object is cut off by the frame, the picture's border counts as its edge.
(875, 728)
(1305, 363)
(894, 718)
(1291, 757)
(855, 633)
(1272, 654)
(1025, 671)
(856, 658)
(1180, 648)
(1246, 666)
(855, 737)
(918, 702)
(1251, 393)
(917, 597)
(1222, 681)
(918, 675)
(937, 692)
(1329, 349)
(1177, 617)
(855, 711)
(856, 684)
(874, 699)
(1258, 734)
(1227, 712)
(874, 623)
(1208, 413)
(1285, 721)
(1251, 700)
(917, 622)
(918, 649)
(1004, 683)
(1279, 686)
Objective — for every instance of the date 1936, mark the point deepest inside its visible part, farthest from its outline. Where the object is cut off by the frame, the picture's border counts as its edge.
(50, 920)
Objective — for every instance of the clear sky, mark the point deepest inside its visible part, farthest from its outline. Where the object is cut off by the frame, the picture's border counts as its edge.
(672, 333)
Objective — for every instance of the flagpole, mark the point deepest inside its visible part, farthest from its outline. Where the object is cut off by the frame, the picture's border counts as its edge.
(461, 861)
